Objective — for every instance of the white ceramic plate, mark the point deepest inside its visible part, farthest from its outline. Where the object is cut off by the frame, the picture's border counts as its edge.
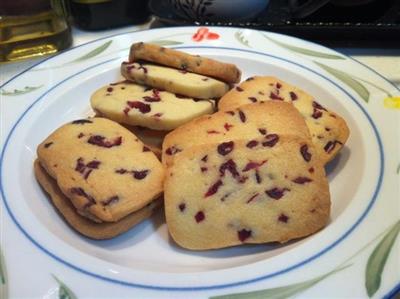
(356, 255)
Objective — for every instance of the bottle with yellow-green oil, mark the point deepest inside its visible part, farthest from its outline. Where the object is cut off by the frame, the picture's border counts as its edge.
(32, 28)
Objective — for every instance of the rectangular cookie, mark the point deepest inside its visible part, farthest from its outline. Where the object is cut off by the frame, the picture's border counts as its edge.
(226, 72)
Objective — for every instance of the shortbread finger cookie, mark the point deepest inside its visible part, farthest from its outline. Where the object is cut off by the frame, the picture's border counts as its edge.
(173, 80)
(98, 231)
(220, 195)
(136, 105)
(247, 122)
(328, 130)
(104, 169)
(226, 72)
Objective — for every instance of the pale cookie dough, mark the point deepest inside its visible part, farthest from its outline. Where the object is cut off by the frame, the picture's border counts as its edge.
(247, 122)
(88, 228)
(105, 170)
(173, 80)
(136, 105)
(226, 72)
(328, 130)
(226, 194)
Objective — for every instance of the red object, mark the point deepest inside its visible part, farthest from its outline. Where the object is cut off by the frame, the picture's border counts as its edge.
(204, 33)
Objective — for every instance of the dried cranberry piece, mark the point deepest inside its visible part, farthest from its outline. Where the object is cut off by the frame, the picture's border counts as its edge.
(81, 135)
(181, 96)
(151, 99)
(274, 96)
(142, 107)
(225, 148)
(283, 218)
(293, 96)
(230, 113)
(182, 206)
(110, 201)
(213, 189)
(146, 149)
(86, 169)
(159, 114)
(252, 143)
(301, 180)
(316, 114)
(244, 234)
(110, 89)
(327, 129)
(140, 175)
(80, 192)
(81, 122)
(242, 116)
(262, 131)
(203, 169)
(121, 171)
(199, 216)
(48, 144)
(227, 126)
(172, 150)
(304, 152)
(278, 85)
(93, 164)
(311, 170)
(213, 132)
(331, 145)
(205, 158)
(258, 178)
(103, 142)
(230, 166)
(252, 198)
(238, 88)
(316, 105)
(253, 165)
(271, 140)
(253, 99)
(276, 193)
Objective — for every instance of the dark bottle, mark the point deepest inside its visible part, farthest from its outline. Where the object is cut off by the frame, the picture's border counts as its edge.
(104, 14)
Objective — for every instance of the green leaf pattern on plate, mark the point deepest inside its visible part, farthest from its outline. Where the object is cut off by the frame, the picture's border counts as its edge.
(304, 51)
(240, 37)
(398, 169)
(348, 80)
(377, 260)
(63, 291)
(165, 42)
(94, 52)
(281, 292)
(17, 92)
(2, 269)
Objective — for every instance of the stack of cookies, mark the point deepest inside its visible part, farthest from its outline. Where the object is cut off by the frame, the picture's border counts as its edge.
(252, 172)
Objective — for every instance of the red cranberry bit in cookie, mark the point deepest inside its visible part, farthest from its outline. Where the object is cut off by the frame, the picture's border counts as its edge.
(199, 216)
(158, 115)
(253, 165)
(283, 218)
(316, 113)
(225, 148)
(81, 122)
(229, 165)
(244, 234)
(262, 131)
(230, 113)
(110, 89)
(48, 144)
(252, 198)
(213, 132)
(81, 135)
(86, 169)
(103, 142)
(301, 180)
(140, 175)
(316, 105)
(258, 177)
(227, 126)
(253, 99)
(151, 99)
(205, 158)
(238, 88)
(293, 96)
(142, 107)
(331, 145)
(271, 140)
(203, 169)
(311, 170)
(304, 152)
(110, 201)
(80, 192)
(213, 189)
(276, 193)
(182, 207)
(121, 171)
(252, 143)
(242, 116)
(278, 85)
(172, 150)
(274, 96)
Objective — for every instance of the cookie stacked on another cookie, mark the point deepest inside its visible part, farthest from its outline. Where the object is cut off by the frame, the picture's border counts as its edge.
(252, 175)
(104, 172)
(328, 130)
